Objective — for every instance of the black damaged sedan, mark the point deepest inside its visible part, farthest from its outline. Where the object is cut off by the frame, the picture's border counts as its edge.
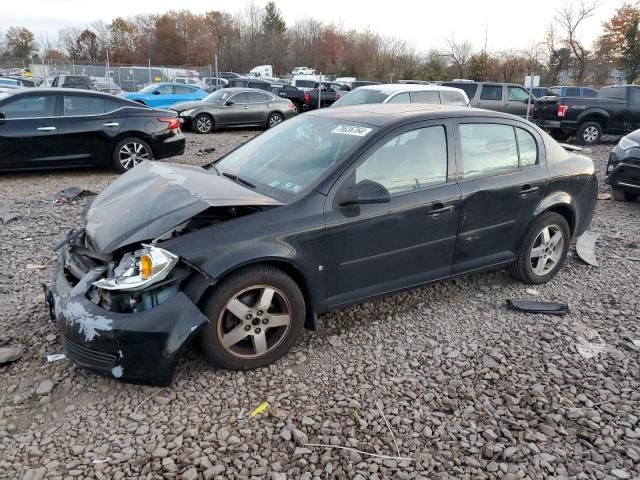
(623, 169)
(328, 209)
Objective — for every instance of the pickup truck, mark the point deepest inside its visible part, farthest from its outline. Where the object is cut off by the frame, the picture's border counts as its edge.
(615, 111)
(324, 95)
(290, 92)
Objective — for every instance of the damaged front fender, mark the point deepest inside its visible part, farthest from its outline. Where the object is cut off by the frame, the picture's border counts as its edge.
(139, 347)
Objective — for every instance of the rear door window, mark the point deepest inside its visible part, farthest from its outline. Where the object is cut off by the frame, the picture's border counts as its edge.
(517, 94)
(572, 92)
(256, 97)
(431, 97)
(488, 149)
(83, 105)
(527, 148)
(491, 92)
(182, 89)
(241, 98)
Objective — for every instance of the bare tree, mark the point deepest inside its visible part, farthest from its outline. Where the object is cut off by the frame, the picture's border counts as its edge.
(570, 17)
(460, 53)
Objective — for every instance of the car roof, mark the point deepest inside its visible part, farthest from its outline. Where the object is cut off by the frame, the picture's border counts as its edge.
(75, 91)
(381, 114)
(406, 87)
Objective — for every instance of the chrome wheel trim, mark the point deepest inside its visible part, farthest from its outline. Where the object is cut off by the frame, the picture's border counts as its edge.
(547, 250)
(131, 154)
(254, 321)
(590, 134)
(275, 119)
(203, 124)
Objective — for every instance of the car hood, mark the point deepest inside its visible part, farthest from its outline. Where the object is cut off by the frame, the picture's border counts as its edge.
(182, 106)
(152, 198)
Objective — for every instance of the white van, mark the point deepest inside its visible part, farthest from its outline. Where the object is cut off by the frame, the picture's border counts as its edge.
(262, 71)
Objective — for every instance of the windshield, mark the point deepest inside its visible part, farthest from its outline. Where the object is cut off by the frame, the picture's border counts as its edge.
(286, 160)
(362, 96)
(218, 96)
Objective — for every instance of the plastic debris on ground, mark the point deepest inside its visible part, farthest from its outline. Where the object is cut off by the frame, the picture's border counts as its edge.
(69, 194)
(264, 406)
(10, 354)
(7, 215)
(55, 357)
(530, 306)
(586, 248)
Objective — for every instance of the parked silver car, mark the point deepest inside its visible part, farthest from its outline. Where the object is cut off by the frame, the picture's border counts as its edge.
(235, 107)
(499, 97)
(403, 93)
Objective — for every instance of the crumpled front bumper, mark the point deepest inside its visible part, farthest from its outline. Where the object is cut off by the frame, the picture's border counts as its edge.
(623, 169)
(142, 347)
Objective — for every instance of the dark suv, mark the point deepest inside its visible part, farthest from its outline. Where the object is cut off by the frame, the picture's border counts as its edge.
(74, 81)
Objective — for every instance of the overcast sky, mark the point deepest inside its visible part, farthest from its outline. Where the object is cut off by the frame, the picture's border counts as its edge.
(425, 24)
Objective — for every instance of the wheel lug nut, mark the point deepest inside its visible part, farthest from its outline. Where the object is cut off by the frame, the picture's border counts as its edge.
(257, 330)
(249, 316)
(260, 312)
(265, 321)
(247, 328)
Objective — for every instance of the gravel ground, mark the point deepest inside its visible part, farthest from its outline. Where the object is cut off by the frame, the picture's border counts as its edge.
(470, 389)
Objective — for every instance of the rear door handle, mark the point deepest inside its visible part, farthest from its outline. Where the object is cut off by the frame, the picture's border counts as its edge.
(246, 107)
(527, 189)
(438, 209)
(47, 129)
(111, 124)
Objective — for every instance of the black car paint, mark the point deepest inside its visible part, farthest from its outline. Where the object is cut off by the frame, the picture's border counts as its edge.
(79, 141)
(327, 248)
(623, 168)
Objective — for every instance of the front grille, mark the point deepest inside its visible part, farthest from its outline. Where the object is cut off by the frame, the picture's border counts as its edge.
(88, 357)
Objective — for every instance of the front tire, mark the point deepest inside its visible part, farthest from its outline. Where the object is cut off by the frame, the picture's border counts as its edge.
(621, 195)
(543, 250)
(255, 317)
(274, 119)
(589, 133)
(129, 152)
(202, 123)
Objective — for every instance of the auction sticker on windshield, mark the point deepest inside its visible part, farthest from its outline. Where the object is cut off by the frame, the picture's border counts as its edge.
(351, 130)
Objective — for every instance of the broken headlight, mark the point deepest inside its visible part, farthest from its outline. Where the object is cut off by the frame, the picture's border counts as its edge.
(140, 269)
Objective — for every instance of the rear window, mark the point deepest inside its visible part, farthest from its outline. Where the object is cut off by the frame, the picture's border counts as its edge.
(491, 92)
(453, 98)
(305, 83)
(614, 92)
(572, 92)
(78, 81)
(468, 88)
(362, 96)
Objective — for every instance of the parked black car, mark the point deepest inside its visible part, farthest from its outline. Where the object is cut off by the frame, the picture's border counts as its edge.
(322, 96)
(246, 253)
(53, 127)
(616, 111)
(74, 81)
(623, 169)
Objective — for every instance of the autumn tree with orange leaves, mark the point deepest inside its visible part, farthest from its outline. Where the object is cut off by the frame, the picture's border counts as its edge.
(621, 40)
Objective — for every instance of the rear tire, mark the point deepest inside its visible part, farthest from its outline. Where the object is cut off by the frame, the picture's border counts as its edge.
(589, 133)
(255, 317)
(274, 119)
(620, 195)
(541, 255)
(129, 152)
(203, 123)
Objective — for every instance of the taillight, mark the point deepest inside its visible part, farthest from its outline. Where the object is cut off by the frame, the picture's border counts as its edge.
(173, 123)
(307, 98)
(292, 106)
(338, 96)
(562, 110)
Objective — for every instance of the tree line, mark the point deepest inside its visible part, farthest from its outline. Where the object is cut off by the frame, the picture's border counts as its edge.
(256, 36)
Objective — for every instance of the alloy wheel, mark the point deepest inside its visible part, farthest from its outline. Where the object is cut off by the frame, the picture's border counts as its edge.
(131, 154)
(275, 119)
(590, 134)
(254, 321)
(203, 124)
(547, 249)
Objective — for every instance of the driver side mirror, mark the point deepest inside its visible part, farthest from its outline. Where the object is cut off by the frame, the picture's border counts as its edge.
(364, 192)
(156, 92)
(229, 103)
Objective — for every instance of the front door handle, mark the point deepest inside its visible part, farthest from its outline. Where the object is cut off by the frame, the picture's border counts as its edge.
(111, 124)
(526, 190)
(246, 107)
(47, 129)
(438, 209)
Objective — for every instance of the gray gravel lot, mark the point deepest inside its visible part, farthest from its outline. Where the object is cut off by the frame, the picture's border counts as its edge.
(470, 389)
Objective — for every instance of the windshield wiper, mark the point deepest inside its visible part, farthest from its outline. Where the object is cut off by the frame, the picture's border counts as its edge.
(237, 179)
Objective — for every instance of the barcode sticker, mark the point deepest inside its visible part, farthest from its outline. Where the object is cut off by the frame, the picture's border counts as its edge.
(351, 130)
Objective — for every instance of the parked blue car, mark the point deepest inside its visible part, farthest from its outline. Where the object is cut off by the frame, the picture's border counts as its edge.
(166, 94)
